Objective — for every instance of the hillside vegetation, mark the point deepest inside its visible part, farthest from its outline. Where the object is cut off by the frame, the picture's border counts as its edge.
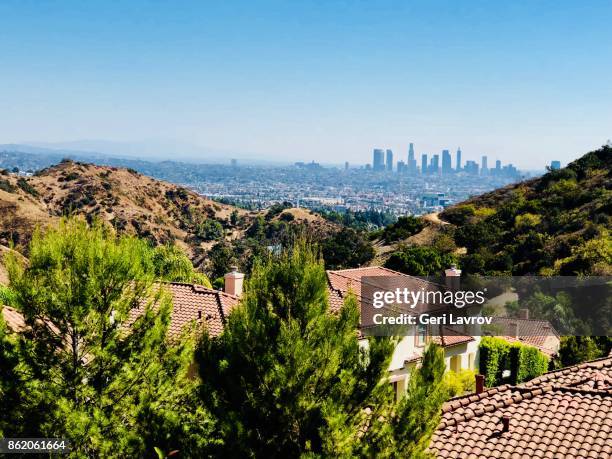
(557, 224)
(214, 235)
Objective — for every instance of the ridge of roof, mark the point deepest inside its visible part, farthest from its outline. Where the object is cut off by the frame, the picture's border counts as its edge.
(568, 370)
(199, 288)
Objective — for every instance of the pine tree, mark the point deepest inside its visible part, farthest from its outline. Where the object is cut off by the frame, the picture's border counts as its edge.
(288, 378)
(99, 373)
(13, 410)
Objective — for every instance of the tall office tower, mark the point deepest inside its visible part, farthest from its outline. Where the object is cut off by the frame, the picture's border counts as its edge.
(447, 167)
(390, 160)
(378, 164)
(554, 165)
(410, 152)
(458, 160)
(411, 164)
(497, 167)
(401, 167)
(346, 165)
(434, 167)
(424, 163)
(484, 169)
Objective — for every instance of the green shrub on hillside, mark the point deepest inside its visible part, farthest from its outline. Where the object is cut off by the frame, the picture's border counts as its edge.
(420, 261)
(556, 224)
(403, 228)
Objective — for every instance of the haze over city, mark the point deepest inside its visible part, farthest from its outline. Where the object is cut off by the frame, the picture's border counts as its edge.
(314, 81)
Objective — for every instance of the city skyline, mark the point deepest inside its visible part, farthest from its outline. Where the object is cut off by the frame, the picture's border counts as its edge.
(312, 81)
(433, 166)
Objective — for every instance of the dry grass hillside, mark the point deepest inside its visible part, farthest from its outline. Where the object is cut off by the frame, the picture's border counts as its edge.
(131, 202)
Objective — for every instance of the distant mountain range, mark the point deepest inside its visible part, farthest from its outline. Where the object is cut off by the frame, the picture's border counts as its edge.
(152, 151)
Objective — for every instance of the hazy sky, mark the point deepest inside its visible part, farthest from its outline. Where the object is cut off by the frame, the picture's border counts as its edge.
(524, 81)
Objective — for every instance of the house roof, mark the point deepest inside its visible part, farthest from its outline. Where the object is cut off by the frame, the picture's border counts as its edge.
(194, 303)
(566, 413)
(538, 333)
(346, 280)
(340, 282)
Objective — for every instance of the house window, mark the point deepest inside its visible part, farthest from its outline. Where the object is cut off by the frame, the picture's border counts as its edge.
(421, 335)
(471, 361)
(395, 390)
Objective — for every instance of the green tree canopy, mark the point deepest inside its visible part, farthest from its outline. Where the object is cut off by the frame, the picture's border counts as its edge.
(346, 249)
(98, 373)
(171, 264)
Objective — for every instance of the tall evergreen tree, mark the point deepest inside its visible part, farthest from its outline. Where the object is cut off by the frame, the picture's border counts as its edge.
(288, 378)
(13, 410)
(100, 369)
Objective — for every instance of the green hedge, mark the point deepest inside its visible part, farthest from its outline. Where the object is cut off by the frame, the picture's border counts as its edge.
(526, 363)
(498, 355)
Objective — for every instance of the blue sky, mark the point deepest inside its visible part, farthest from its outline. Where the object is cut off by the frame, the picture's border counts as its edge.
(522, 81)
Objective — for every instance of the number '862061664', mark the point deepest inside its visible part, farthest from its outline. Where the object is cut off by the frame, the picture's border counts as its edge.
(34, 445)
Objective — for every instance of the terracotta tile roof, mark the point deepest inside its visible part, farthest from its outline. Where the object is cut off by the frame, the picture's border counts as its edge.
(340, 282)
(450, 337)
(197, 304)
(351, 279)
(566, 413)
(192, 303)
(538, 333)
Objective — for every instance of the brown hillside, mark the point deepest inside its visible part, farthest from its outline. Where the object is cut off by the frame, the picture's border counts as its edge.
(131, 202)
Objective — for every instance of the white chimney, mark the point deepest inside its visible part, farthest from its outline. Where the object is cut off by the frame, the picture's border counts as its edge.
(452, 277)
(233, 282)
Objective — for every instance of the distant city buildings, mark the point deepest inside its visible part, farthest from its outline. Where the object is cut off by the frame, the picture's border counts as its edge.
(312, 165)
(378, 160)
(436, 165)
(484, 168)
(389, 161)
(447, 166)
(471, 167)
(412, 164)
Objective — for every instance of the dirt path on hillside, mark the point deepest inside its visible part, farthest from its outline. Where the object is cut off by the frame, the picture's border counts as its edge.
(434, 218)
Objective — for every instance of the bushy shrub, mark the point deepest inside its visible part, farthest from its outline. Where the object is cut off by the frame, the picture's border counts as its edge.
(459, 383)
(497, 355)
(5, 185)
(493, 353)
(459, 215)
(403, 228)
(420, 261)
(25, 186)
(526, 363)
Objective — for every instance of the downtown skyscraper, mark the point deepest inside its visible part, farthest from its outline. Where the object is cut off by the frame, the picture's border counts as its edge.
(378, 160)
(390, 160)
(458, 168)
(447, 165)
